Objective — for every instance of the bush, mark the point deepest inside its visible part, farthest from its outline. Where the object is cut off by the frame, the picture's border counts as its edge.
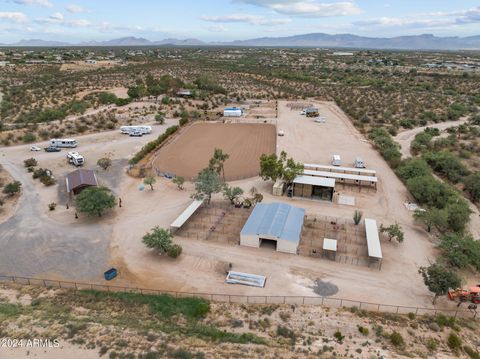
(432, 344)
(174, 250)
(52, 206)
(413, 167)
(397, 339)
(29, 137)
(47, 180)
(472, 353)
(446, 164)
(30, 162)
(12, 188)
(338, 336)
(472, 186)
(388, 148)
(363, 330)
(460, 251)
(454, 342)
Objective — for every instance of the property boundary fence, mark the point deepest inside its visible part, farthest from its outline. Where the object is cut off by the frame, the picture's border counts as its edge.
(333, 302)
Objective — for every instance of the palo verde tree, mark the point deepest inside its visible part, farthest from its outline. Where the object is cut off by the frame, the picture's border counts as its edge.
(150, 181)
(393, 231)
(94, 201)
(207, 183)
(179, 181)
(217, 162)
(439, 280)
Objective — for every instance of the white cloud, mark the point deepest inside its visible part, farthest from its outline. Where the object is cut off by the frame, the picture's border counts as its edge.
(44, 3)
(217, 28)
(244, 18)
(75, 9)
(428, 20)
(14, 16)
(307, 8)
(59, 19)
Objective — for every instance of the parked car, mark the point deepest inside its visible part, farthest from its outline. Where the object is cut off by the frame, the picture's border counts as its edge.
(52, 149)
(336, 160)
(281, 133)
(135, 134)
(35, 148)
(359, 163)
(168, 175)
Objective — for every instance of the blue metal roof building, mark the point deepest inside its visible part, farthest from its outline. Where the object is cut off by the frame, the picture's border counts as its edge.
(279, 222)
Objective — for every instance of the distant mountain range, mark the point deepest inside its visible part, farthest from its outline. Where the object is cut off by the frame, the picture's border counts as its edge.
(416, 42)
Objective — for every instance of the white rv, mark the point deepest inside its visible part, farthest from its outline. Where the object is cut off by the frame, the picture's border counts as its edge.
(75, 158)
(64, 142)
(130, 129)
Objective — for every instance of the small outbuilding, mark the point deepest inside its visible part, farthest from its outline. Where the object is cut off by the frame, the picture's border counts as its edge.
(314, 187)
(78, 180)
(279, 224)
(312, 112)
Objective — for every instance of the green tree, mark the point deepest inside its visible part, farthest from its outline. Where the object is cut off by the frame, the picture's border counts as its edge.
(460, 250)
(179, 181)
(291, 170)
(207, 183)
(270, 167)
(30, 162)
(12, 188)
(433, 217)
(150, 181)
(393, 231)
(439, 279)
(161, 240)
(160, 118)
(217, 162)
(472, 186)
(94, 201)
(29, 137)
(232, 193)
(104, 163)
(413, 167)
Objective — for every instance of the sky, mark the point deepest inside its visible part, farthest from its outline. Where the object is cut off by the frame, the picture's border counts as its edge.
(226, 20)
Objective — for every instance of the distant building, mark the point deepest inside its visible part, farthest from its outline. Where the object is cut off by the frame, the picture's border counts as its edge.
(342, 53)
(78, 180)
(91, 62)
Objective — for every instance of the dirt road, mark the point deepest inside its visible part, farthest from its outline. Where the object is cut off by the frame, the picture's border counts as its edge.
(405, 138)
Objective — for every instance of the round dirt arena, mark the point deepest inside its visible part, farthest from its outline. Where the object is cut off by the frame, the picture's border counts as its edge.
(190, 152)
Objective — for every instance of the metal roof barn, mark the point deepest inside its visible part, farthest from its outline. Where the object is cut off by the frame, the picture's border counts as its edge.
(373, 240)
(274, 222)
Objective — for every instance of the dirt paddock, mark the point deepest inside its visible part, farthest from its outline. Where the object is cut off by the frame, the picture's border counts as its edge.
(190, 151)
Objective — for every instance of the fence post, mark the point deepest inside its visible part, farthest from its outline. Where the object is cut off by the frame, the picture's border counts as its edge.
(28, 279)
(397, 309)
(456, 312)
(59, 284)
(13, 279)
(416, 311)
(44, 283)
(76, 288)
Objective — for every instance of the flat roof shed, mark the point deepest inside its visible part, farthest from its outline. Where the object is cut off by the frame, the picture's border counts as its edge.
(373, 240)
(186, 214)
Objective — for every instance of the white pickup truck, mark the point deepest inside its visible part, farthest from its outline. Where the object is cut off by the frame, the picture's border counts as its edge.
(75, 158)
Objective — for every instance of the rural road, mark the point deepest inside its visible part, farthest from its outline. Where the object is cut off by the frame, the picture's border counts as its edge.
(405, 138)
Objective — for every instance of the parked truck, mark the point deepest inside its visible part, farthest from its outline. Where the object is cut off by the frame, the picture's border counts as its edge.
(75, 158)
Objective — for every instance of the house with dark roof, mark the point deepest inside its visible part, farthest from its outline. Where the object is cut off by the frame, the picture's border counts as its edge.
(78, 180)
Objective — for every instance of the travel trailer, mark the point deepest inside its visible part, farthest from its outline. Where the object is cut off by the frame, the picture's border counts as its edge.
(64, 142)
(142, 129)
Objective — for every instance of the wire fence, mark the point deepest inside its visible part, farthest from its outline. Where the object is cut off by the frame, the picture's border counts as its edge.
(332, 302)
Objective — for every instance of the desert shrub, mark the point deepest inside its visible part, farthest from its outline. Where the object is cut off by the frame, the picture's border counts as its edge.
(472, 186)
(363, 330)
(460, 250)
(338, 336)
(454, 342)
(174, 250)
(30, 162)
(29, 137)
(397, 339)
(447, 164)
(472, 353)
(388, 148)
(12, 188)
(432, 344)
(413, 167)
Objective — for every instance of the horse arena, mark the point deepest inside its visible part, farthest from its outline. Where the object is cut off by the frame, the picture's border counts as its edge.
(191, 150)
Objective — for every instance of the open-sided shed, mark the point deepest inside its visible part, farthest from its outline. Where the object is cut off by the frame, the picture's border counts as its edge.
(276, 222)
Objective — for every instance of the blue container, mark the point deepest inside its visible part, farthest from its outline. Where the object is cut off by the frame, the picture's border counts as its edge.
(110, 274)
